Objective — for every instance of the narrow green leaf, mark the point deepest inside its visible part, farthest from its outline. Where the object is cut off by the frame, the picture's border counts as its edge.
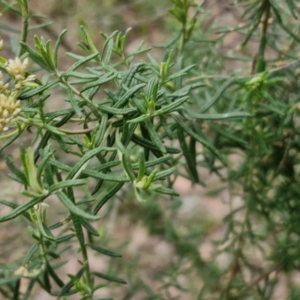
(53, 129)
(217, 95)
(38, 26)
(164, 190)
(116, 111)
(80, 75)
(9, 280)
(74, 103)
(15, 178)
(16, 292)
(126, 162)
(37, 58)
(197, 137)
(106, 177)
(65, 184)
(82, 61)
(164, 174)
(104, 251)
(9, 28)
(185, 90)
(108, 50)
(180, 73)
(170, 107)
(70, 283)
(17, 171)
(154, 136)
(149, 145)
(14, 206)
(107, 47)
(141, 165)
(190, 160)
(38, 90)
(89, 228)
(139, 196)
(292, 7)
(54, 275)
(96, 173)
(85, 159)
(103, 79)
(100, 133)
(108, 195)
(28, 292)
(139, 119)
(284, 27)
(226, 116)
(110, 278)
(67, 202)
(64, 238)
(78, 228)
(13, 138)
(47, 234)
(33, 252)
(85, 200)
(82, 81)
(141, 105)
(129, 93)
(152, 88)
(53, 255)
(41, 166)
(154, 162)
(49, 56)
(59, 165)
(68, 293)
(138, 50)
(127, 79)
(21, 209)
(224, 133)
(88, 40)
(255, 23)
(127, 133)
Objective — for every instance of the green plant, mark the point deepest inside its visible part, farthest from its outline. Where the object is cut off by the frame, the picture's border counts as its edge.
(142, 124)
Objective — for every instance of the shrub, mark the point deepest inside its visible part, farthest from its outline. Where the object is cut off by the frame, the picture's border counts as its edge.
(133, 124)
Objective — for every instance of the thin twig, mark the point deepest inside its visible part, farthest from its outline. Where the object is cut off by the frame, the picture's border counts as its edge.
(253, 283)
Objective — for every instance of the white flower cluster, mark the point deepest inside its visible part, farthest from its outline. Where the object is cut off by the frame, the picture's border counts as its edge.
(9, 105)
(16, 68)
(9, 110)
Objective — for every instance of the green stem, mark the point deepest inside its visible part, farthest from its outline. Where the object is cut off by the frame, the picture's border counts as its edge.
(25, 17)
(75, 91)
(261, 65)
(11, 134)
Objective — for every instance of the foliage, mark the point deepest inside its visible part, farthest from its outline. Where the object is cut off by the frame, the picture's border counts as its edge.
(139, 124)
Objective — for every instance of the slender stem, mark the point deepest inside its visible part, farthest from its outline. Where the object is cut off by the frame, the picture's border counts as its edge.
(253, 283)
(11, 134)
(249, 181)
(183, 39)
(261, 65)
(25, 16)
(39, 123)
(86, 263)
(75, 91)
